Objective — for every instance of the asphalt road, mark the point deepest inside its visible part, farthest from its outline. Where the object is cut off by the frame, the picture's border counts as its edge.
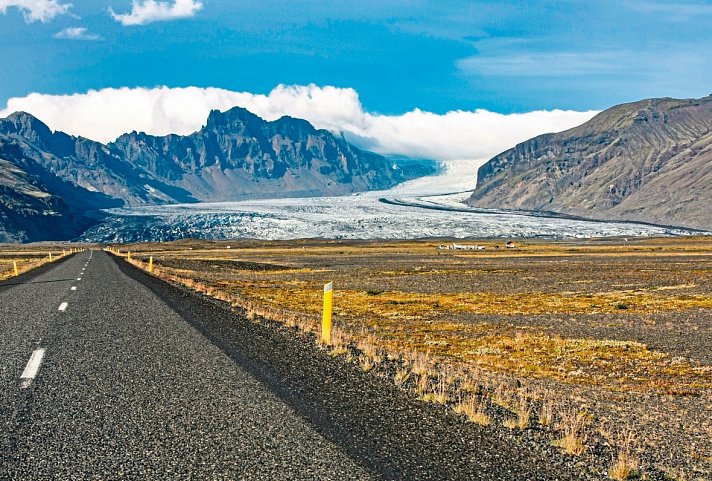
(107, 373)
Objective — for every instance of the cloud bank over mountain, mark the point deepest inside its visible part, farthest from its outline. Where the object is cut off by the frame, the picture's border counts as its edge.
(105, 114)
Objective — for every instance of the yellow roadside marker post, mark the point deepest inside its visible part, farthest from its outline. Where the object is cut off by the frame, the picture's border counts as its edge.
(50, 257)
(128, 255)
(326, 318)
(14, 264)
(150, 264)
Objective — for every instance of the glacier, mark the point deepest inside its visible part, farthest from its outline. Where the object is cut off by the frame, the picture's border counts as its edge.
(429, 207)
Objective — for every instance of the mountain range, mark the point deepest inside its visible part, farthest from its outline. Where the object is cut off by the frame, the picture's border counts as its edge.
(648, 161)
(52, 184)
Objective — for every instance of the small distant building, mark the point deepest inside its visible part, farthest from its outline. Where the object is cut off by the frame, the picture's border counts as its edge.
(511, 245)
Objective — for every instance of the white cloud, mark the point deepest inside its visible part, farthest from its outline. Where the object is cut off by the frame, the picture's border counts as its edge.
(105, 114)
(148, 11)
(34, 10)
(76, 33)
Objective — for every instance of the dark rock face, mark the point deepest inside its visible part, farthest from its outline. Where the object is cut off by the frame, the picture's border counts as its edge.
(85, 164)
(49, 180)
(647, 161)
(38, 201)
(237, 155)
(28, 211)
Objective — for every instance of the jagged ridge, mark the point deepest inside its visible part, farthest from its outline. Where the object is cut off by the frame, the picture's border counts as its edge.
(236, 155)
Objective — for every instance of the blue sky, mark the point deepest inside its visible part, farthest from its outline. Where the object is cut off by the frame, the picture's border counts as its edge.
(398, 55)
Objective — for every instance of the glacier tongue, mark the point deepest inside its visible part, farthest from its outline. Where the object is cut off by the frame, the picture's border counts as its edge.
(417, 209)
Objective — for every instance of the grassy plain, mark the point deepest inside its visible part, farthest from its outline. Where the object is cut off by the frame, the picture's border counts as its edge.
(586, 341)
(27, 257)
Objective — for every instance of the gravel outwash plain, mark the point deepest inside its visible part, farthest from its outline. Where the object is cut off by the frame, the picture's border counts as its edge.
(379, 426)
(616, 330)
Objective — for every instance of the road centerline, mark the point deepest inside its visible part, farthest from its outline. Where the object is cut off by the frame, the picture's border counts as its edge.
(30, 371)
(63, 306)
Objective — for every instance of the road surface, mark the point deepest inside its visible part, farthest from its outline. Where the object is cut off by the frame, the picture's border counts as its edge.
(107, 373)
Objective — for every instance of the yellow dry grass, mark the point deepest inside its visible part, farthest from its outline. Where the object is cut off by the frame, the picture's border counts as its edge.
(458, 326)
(401, 323)
(26, 259)
(626, 463)
(399, 320)
(572, 427)
(399, 305)
(475, 408)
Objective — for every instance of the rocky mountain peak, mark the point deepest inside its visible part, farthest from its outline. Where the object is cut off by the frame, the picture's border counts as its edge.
(235, 119)
(25, 125)
(292, 127)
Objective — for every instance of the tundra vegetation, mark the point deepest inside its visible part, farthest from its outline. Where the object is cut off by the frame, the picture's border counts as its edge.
(598, 347)
(28, 257)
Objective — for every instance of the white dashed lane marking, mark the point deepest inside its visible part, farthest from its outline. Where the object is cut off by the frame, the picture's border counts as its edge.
(33, 365)
(79, 278)
(63, 306)
(74, 288)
